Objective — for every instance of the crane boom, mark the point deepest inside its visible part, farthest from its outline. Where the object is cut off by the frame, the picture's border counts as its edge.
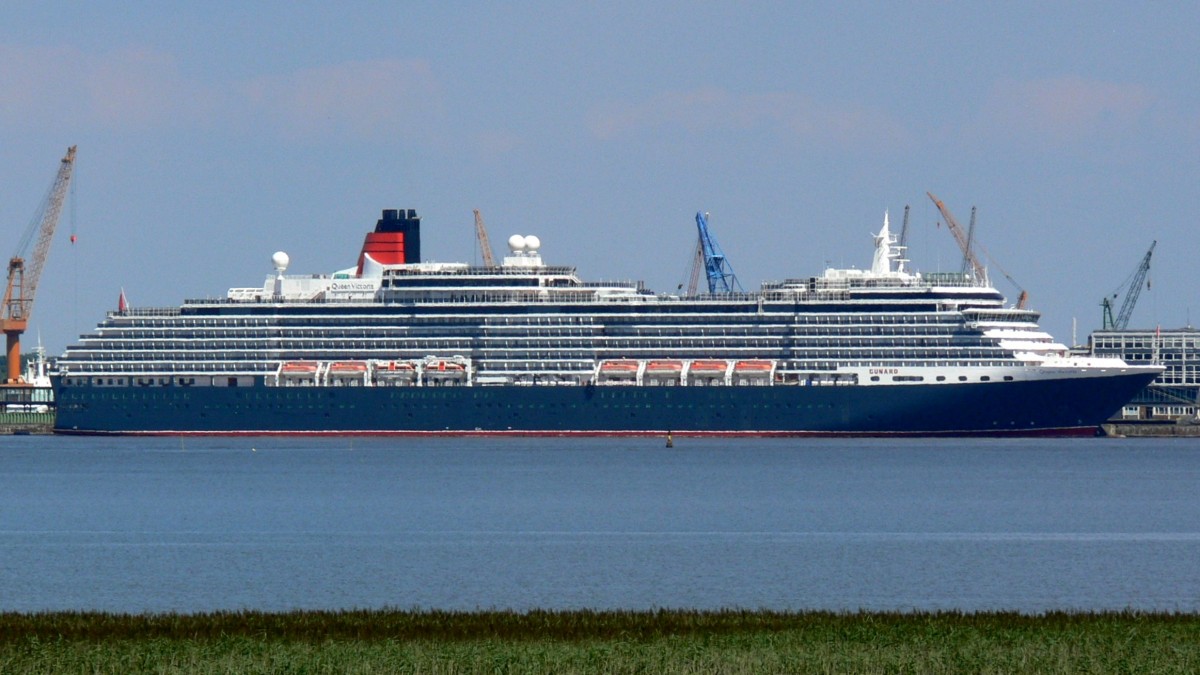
(1131, 296)
(485, 246)
(721, 278)
(964, 243)
(970, 242)
(694, 271)
(23, 278)
(972, 251)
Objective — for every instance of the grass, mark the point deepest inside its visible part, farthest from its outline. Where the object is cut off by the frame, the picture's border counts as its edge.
(668, 641)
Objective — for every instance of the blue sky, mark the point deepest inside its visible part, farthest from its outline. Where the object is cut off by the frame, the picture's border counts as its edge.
(212, 134)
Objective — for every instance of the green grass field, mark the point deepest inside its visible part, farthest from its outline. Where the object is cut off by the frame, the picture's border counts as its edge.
(667, 641)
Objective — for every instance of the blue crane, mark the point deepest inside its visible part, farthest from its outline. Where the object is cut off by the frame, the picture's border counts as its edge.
(721, 278)
(1134, 282)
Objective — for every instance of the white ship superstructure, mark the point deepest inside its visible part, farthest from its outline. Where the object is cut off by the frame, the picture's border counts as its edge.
(525, 324)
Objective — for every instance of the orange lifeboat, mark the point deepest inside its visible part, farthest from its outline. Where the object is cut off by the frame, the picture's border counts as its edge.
(348, 367)
(709, 366)
(616, 367)
(664, 367)
(300, 367)
(753, 366)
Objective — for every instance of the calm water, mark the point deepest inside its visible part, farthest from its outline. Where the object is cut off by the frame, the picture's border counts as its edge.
(195, 525)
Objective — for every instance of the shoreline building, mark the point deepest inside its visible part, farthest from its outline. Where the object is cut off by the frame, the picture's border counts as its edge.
(1174, 395)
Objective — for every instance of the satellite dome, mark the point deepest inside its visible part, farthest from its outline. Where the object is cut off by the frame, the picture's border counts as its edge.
(516, 242)
(532, 242)
(280, 260)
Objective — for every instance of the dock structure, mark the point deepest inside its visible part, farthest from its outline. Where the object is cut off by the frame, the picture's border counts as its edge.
(26, 423)
(26, 409)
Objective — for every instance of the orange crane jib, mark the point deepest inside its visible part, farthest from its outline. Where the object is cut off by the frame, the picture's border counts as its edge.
(23, 276)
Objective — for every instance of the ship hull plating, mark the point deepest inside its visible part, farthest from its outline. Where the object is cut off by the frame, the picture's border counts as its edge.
(1046, 407)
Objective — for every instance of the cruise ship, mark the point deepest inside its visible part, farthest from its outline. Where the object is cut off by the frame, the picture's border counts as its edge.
(399, 345)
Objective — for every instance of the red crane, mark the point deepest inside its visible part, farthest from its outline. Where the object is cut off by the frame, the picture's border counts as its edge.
(485, 246)
(970, 255)
(23, 278)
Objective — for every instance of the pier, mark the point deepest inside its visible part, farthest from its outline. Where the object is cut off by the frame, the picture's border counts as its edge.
(26, 423)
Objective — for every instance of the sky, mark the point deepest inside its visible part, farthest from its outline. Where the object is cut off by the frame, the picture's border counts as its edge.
(211, 135)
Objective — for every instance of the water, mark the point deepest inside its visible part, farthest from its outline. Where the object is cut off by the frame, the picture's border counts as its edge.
(164, 524)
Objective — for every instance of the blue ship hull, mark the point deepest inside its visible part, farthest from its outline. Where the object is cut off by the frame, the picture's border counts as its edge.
(1061, 406)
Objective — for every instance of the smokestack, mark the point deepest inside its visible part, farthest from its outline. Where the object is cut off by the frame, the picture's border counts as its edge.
(396, 239)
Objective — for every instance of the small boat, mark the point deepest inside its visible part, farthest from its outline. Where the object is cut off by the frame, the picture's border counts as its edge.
(709, 366)
(744, 367)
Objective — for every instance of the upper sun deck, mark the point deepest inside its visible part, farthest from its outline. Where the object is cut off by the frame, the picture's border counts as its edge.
(523, 276)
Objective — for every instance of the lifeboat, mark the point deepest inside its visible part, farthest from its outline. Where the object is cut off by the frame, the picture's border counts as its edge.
(395, 372)
(438, 369)
(298, 373)
(348, 367)
(753, 371)
(709, 366)
(664, 367)
(619, 372)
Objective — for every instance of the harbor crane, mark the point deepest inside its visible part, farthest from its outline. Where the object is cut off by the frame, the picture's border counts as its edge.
(23, 276)
(485, 247)
(971, 259)
(694, 271)
(1134, 282)
(721, 278)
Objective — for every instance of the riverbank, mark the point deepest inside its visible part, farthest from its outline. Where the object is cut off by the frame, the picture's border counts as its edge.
(670, 641)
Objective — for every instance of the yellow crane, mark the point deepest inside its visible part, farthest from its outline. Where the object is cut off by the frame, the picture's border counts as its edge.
(23, 278)
(485, 246)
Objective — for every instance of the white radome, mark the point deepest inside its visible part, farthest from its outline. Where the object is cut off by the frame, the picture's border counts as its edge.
(280, 260)
(516, 242)
(532, 242)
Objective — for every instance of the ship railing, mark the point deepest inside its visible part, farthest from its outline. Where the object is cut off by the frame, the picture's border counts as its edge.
(145, 311)
(622, 283)
(929, 280)
(482, 270)
(721, 297)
